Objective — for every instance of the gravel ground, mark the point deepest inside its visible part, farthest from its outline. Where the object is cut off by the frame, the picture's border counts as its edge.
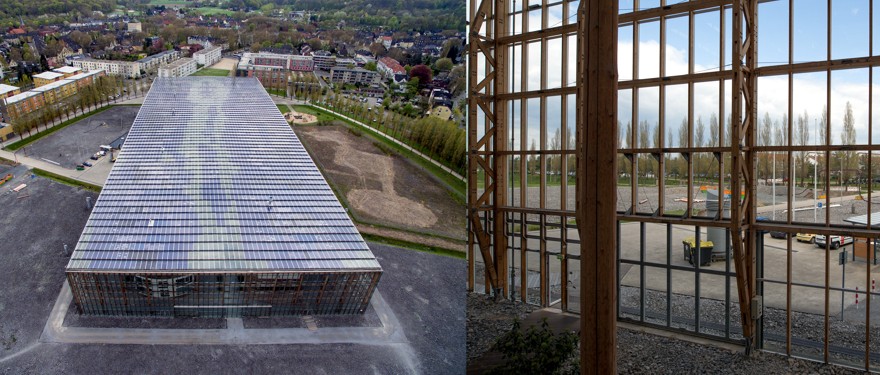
(488, 320)
(844, 334)
(645, 353)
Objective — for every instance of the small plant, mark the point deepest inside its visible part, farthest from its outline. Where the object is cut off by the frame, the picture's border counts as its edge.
(7, 342)
(537, 351)
(356, 133)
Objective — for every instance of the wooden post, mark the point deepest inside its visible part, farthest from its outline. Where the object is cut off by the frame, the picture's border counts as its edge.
(596, 183)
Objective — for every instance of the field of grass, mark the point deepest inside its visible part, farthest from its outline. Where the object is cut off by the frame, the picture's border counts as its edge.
(283, 108)
(276, 92)
(210, 11)
(67, 180)
(211, 72)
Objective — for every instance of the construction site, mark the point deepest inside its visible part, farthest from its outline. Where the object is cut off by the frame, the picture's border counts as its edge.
(676, 172)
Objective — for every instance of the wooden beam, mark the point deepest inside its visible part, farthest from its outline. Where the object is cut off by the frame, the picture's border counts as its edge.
(671, 10)
(597, 183)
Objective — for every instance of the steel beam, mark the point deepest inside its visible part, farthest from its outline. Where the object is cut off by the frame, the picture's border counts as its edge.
(597, 183)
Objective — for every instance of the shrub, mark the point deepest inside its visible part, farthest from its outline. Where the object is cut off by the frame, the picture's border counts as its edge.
(536, 351)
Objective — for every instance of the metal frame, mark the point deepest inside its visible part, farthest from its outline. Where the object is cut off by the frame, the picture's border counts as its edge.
(511, 233)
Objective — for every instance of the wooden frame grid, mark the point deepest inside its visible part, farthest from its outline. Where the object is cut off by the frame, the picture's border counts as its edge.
(537, 241)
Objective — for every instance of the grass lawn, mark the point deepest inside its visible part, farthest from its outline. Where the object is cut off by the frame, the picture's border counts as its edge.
(66, 180)
(276, 92)
(283, 108)
(322, 116)
(211, 72)
(209, 11)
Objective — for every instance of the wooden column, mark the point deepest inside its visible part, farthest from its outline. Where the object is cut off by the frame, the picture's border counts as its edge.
(596, 183)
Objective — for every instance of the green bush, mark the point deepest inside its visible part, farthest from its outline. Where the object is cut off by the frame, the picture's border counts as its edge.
(537, 351)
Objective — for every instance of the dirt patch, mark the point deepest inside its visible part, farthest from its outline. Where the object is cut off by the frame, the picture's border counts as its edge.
(298, 118)
(382, 189)
(225, 64)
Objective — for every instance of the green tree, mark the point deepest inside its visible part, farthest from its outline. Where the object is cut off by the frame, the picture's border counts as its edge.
(443, 64)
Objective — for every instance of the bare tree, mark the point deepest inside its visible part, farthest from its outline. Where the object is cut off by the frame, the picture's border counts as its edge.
(848, 160)
(803, 138)
(699, 133)
(765, 139)
(683, 133)
(713, 130)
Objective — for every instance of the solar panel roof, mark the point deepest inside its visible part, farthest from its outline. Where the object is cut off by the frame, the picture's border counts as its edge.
(211, 177)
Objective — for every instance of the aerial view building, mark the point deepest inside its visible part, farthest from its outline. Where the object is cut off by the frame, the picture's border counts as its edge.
(214, 208)
(208, 56)
(46, 78)
(178, 68)
(272, 68)
(130, 69)
(353, 76)
(152, 62)
(15, 106)
(67, 71)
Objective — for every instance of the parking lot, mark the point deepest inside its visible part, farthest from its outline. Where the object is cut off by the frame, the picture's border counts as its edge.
(74, 144)
(807, 268)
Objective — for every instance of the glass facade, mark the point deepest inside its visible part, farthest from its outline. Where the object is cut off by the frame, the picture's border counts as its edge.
(211, 195)
(222, 295)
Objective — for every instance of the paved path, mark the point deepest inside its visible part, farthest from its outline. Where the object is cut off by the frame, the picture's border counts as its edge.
(807, 202)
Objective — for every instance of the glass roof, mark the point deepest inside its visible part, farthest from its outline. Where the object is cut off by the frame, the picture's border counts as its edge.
(211, 177)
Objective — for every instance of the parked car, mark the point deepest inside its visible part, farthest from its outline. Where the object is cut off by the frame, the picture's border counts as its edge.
(836, 241)
(777, 234)
(806, 237)
(87, 164)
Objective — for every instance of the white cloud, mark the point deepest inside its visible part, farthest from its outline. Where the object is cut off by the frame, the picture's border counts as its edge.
(809, 94)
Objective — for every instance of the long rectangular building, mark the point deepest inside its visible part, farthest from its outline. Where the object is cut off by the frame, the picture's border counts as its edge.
(181, 67)
(272, 69)
(130, 69)
(214, 208)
